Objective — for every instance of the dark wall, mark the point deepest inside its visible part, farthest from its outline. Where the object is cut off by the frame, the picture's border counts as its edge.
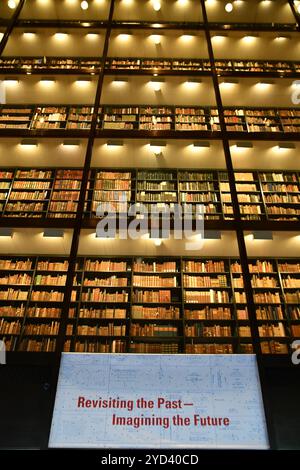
(24, 405)
(283, 393)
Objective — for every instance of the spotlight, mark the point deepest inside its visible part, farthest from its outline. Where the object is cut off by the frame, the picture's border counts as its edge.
(11, 81)
(156, 83)
(6, 232)
(201, 144)
(212, 235)
(71, 143)
(286, 145)
(53, 233)
(61, 36)
(120, 81)
(244, 145)
(29, 142)
(156, 38)
(156, 146)
(124, 36)
(115, 143)
(262, 235)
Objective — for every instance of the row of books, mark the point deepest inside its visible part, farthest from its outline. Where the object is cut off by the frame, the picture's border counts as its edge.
(212, 193)
(200, 330)
(112, 281)
(114, 346)
(272, 330)
(203, 297)
(153, 330)
(105, 330)
(205, 281)
(271, 313)
(154, 281)
(150, 118)
(93, 64)
(119, 346)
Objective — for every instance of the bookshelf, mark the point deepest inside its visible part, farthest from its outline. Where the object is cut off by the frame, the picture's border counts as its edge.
(269, 305)
(150, 118)
(6, 177)
(80, 117)
(86, 65)
(263, 195)
(281, 194)
(49, 117)
(39, 192)
(197, 187)
(156, 189)
(195, 119)
(149, 304)
(216, 318)
(109, 189)
(253, 120)
(48, 193)
(239, 67)
(289, 276)
(16, 117)
(65, 194)
(29, 194)
(125, 118)
(153, 118)
(31, 299)
(92, 65)
(156, 322)
(100, 307)
(290, 119)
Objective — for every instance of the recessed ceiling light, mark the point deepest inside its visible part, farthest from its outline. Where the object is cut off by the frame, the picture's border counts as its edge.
(229, 7)
(11, 4)
(156, 4)
(84, 5)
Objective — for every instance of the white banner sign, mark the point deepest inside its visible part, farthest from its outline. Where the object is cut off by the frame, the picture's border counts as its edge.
(158, 401)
